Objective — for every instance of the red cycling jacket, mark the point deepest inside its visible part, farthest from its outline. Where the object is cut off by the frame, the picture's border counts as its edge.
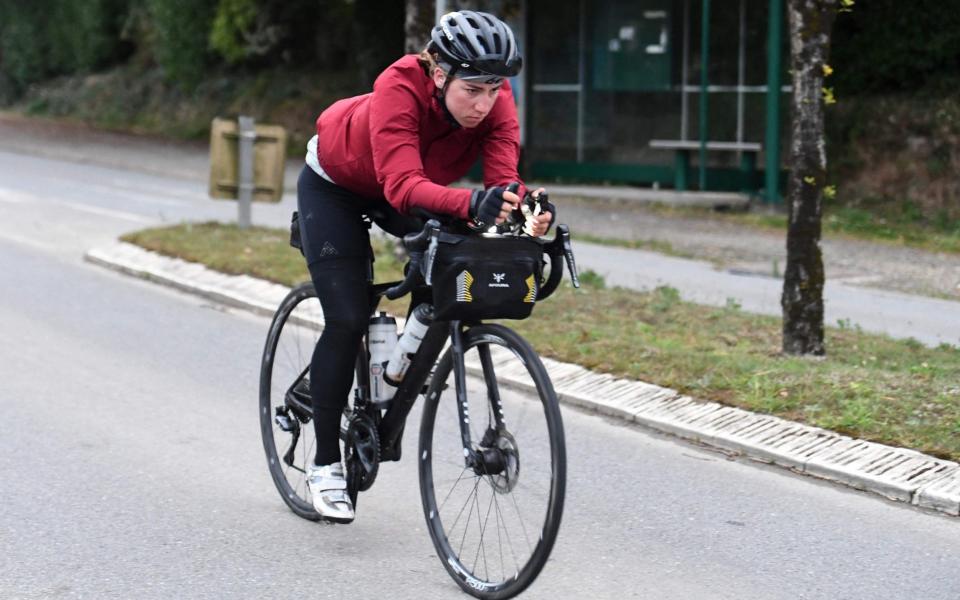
(396, 143)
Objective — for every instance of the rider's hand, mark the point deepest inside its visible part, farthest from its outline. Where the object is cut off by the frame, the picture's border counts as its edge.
(541, 222)
(491, 207)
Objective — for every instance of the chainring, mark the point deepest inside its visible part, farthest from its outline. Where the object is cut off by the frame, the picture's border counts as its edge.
(362, 449)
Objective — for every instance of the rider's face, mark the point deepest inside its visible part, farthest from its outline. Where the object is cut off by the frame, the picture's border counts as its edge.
(469, 102)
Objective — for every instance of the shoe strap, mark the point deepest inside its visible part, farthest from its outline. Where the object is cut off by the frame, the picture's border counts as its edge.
(336, 496)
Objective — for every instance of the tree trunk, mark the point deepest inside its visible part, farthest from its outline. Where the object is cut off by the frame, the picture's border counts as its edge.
(802, 301)
(418, 24)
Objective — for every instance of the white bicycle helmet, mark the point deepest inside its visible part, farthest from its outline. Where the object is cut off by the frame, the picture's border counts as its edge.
(475, 46)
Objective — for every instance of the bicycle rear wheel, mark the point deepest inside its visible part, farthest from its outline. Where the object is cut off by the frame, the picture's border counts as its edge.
(493, 525)
(285, 408)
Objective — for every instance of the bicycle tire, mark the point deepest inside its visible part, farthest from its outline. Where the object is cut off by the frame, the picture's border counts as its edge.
(438, 447)
(294, 331)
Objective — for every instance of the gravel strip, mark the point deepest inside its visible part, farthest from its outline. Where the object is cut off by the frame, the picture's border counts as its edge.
(763, 252)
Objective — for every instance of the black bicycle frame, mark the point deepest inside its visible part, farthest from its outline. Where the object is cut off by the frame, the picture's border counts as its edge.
(391, 426)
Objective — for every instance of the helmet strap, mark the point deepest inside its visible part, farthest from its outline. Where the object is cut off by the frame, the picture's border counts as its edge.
(442, 97)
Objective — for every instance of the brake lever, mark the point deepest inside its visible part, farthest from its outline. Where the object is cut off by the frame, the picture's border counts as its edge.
(430, 256)
(564, 232)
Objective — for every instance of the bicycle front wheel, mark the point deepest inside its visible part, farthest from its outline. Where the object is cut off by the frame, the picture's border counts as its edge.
(493, 524)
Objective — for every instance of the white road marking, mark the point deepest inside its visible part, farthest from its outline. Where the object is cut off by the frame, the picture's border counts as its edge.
(136, 195)
(25, 241)
(105, 212)
(17, 197)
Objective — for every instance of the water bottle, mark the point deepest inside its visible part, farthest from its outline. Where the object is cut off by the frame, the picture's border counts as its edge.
(381, 339)
(409, 342)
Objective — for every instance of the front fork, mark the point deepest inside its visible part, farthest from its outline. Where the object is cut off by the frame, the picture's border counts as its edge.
(486, 458)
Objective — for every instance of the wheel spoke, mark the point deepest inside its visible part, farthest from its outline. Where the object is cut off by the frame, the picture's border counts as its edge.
(522, 526)
(503, 571)
(455, 484)
(471, 499)
(483, 531)
(476, 502)
(506, 531)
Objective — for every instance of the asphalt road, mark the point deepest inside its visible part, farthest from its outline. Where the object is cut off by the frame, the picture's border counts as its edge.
(132, 467)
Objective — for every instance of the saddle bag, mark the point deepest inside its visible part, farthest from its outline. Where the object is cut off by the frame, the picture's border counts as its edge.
(295, 240)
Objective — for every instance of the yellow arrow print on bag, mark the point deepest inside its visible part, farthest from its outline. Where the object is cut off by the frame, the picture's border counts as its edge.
(464, 281)
(531, 296)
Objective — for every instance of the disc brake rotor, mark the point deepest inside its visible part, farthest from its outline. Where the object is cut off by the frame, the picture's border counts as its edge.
(504, 481)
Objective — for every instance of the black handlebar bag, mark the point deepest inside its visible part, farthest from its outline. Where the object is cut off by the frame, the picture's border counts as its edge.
(475, 277)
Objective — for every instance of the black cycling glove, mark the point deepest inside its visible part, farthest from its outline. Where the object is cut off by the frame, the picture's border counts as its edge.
(485, 206)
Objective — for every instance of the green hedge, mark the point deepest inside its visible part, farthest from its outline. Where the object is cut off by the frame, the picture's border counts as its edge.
(893, 45)
(190, 39)
(180, 31)
(42, 39)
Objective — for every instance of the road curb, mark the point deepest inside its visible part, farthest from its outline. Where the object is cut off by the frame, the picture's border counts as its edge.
(896, 473)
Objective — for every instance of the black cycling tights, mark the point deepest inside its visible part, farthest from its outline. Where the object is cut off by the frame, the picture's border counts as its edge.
(343, 291)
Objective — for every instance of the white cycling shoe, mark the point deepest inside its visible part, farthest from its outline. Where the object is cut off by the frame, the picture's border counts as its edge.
(328, 488)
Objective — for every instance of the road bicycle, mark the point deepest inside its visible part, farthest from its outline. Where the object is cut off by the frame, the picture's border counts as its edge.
(491, 457)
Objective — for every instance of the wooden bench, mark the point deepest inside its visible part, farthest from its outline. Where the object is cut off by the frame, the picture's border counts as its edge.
(682, 148)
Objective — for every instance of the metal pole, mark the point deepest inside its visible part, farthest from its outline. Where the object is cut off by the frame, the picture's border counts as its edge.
(684, 73)
(247, 135)
(741, 70)
(440, 9)
(772, 143)
(704, 81)
(581, 99)
(521, 90)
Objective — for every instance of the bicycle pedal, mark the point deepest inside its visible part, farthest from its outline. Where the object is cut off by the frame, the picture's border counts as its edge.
(284, 422)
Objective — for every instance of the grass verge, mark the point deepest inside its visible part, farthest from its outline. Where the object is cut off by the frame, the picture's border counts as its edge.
(869, 386)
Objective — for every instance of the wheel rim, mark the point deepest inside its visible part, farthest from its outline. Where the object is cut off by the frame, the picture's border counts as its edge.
(293, 337)
(489, 528)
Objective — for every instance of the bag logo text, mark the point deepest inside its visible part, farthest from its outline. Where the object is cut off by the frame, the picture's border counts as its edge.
(498, 281)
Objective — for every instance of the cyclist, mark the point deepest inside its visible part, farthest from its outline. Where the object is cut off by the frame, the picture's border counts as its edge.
(427, 120)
